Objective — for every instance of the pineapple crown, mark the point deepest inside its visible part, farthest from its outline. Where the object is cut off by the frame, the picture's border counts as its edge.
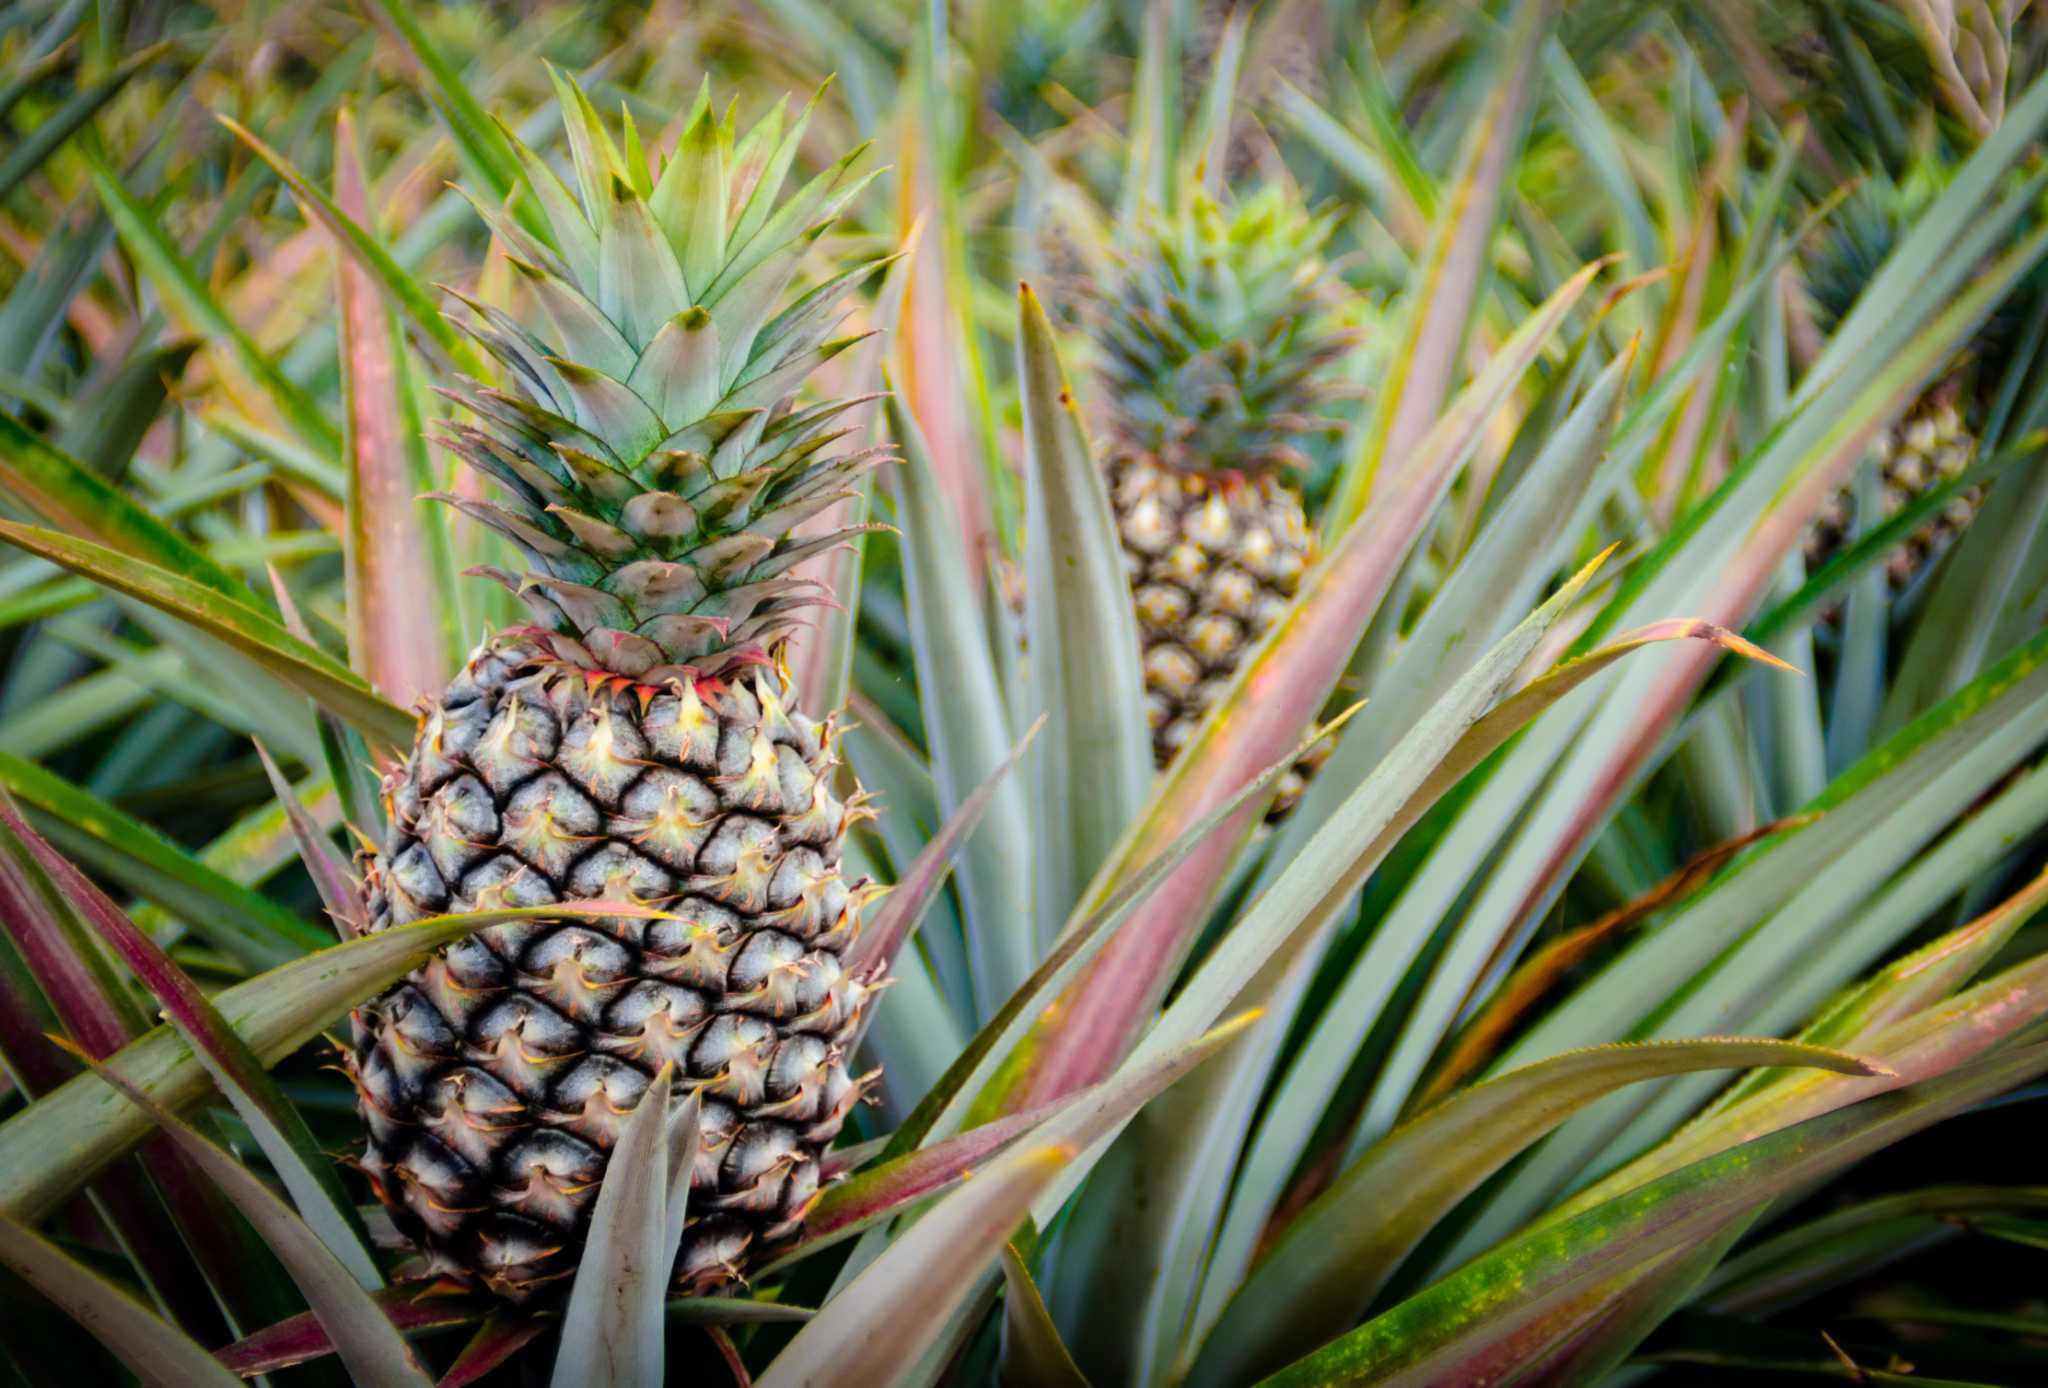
(1216, 334)
(646, 438)
(1872, 219)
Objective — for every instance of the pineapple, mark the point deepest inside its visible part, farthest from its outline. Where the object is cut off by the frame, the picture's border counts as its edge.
(1936, 439)
(639, 740)
(1930, 446)
(1214, 354)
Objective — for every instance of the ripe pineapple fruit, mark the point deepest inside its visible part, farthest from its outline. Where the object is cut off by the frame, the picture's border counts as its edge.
(1215, 346)
(639, 740)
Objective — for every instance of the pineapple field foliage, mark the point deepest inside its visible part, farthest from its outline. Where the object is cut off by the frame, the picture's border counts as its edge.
(1154, 693)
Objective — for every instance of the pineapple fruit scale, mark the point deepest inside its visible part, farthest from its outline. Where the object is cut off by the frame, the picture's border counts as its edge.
(640, 740)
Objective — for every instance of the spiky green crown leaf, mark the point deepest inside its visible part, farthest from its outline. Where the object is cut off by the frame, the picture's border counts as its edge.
(1872, 218)
(646, 435)
(1217, 334)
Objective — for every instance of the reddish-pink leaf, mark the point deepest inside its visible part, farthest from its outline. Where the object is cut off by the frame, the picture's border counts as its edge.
(43, 919)
(393, 636)
(276, 1121)
(495, 1342)
(730, 1353)
(331, 877)
(300, 1338)
(927, 348)
(878, 1191)
(1922, 1047)
(46, 905)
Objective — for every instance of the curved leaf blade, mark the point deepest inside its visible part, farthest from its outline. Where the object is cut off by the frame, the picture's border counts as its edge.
(898, 1306)
(253, 633)
(278, 1126)
(1033, 1354)
(1275, 694)
(342, 217)
(962, 701)
(331, 877)
(612, 1329)
(404, 631)
(499, 1338)
(1096, 764)
(55, 1146)
(66, 494)
(901, 911)
(188, 294)
(369, 1345)
(158, 1353)
(1459, 1328)
(237, 919)
(892, 1187)
(1336, 1255)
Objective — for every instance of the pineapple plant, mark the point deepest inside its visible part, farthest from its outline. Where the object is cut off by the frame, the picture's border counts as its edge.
(1386, 1181)
(640, 740)
(1216, 344)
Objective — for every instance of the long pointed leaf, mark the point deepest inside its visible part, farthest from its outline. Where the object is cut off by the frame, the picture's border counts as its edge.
(331, 877)
(1033, 1354)
(64, 493)
(50, 1150)
(891, 1187)
(188, 294)
(403, 628)
(963, 708)
(901, 911)
(1462, 1327)
(612, 1329)
(1339, 1251)
(367, 1342)
(1262, 958)
(1096, 763)
(343, 217)
(158, 1353)
(897, 1308)
(1274, 696)
(279, 1128)
(310, 671)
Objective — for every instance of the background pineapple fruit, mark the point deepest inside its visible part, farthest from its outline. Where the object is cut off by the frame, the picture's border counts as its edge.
(1932, 445)
(1935, 440)
(639, 741)
(1215, 347)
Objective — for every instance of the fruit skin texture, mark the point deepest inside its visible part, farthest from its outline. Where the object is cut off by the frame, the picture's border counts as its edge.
(495, 1079)
(1931, 446)
(1214, 560)
(639, 740)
